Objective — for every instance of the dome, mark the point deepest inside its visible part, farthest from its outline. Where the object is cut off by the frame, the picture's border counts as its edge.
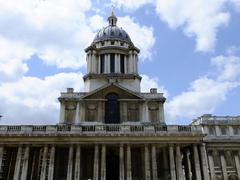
(112, 32)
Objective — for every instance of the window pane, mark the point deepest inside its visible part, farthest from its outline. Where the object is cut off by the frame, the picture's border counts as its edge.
(102, 63)
(112, 63)
(122, 63)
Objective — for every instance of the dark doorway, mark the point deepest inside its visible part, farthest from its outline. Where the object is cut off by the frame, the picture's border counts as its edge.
(112, 111)
(112, 164)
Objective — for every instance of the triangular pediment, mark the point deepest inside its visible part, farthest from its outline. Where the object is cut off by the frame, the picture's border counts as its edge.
(122, 92)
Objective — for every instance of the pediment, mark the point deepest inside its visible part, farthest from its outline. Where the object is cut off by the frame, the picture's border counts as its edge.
(122, 92)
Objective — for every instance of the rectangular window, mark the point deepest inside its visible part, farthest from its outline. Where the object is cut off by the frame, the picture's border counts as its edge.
(235, 130)
(223, 130)
(211, 130)
(122, 63)
(102, 63)
(112, 62)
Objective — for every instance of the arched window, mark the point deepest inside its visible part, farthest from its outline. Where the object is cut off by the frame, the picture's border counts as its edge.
(112, 110)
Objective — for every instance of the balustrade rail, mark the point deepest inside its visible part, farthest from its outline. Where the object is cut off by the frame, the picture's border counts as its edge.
(104, 128)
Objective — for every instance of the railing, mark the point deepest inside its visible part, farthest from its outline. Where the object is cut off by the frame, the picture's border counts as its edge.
(103, 128)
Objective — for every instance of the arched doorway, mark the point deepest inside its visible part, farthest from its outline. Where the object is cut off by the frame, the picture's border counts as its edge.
(112, 110)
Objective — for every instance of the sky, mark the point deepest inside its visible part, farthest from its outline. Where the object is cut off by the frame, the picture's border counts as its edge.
(190, 51)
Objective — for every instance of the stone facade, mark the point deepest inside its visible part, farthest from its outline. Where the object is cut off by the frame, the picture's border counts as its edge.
(112, 131)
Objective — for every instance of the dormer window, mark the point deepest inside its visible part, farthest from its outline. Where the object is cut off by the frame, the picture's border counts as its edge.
(112, 42)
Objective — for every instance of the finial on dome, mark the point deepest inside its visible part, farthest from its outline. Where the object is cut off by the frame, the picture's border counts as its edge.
(112, 19)
(113, 9)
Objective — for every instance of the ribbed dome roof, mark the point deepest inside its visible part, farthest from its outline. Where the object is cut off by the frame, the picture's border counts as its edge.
(112, 31)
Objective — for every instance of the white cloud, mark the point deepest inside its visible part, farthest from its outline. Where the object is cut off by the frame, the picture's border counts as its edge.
(12, 56)
(205, 94)
(199, 19)
(141, 36)
(228, 67)
(147, 83)
(57, 31)
(31, 100)
(131, 4)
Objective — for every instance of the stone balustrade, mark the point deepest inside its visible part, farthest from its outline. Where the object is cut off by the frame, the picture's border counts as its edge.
(98, 129)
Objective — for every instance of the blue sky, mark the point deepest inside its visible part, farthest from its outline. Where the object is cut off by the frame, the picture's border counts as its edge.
(190, 50)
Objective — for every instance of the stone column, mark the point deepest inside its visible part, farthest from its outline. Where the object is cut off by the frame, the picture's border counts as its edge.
(77, 114)
(103, 163)
(77, 163)
(62, 112)
(94, 62)
(117, 63)
(130, 61)
(51, 163)
(204, 162)
(96, 163)
(236, 158)
(129, 163)
(211, 166)
(179, 163)
(70, 163)
(196, 163)
(25, 163)
(172, 163)
(125, 64)
(44, 163)
(189, 168)
(147, 163)
(121, 162)
(154, 163)
(18, 164)
(107, 63)
(224, 167)
(1, 157)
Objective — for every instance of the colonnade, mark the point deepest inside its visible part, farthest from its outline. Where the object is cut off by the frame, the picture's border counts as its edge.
(183, 162)
(130, 63)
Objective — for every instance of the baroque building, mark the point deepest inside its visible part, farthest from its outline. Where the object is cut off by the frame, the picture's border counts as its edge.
(113, 131)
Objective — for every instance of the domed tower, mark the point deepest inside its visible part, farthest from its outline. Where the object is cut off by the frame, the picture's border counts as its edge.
(112, 57)
(112, 85)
